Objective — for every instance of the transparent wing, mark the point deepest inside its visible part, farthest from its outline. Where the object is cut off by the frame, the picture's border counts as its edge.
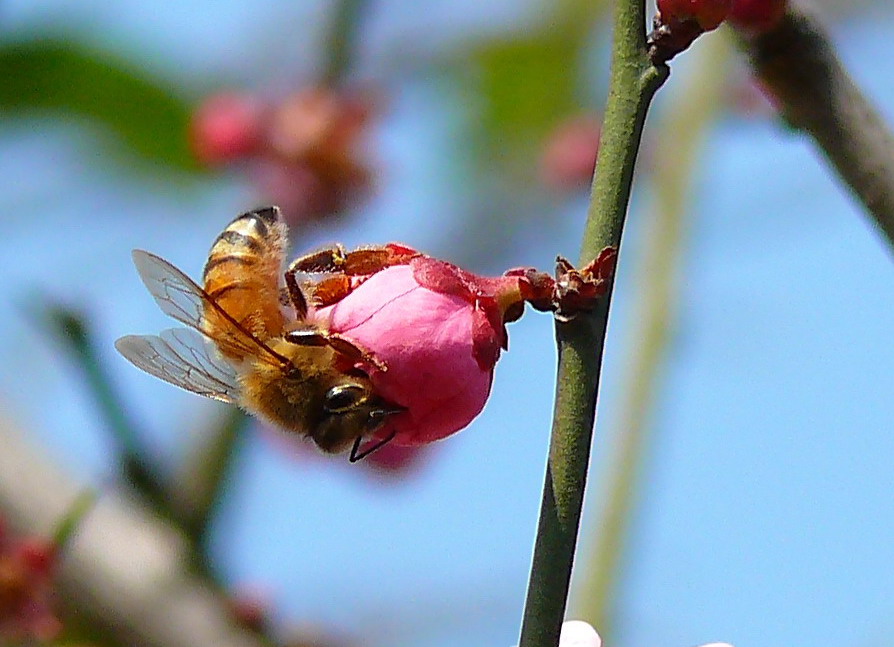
(180, 297)
(183, 358)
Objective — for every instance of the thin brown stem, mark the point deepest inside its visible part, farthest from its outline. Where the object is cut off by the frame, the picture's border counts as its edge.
(797, 64)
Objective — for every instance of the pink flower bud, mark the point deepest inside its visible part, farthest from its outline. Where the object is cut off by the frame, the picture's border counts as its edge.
(439, 330)
(225, 128)
(313, 156)
(250, 608)
(757, 16)
(569, 156)
(25, 590)
(707, 13)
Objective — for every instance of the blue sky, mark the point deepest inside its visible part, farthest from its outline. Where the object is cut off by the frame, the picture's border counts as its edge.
(767, 517)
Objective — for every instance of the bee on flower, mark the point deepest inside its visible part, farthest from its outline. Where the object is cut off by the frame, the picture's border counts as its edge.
(379, 345)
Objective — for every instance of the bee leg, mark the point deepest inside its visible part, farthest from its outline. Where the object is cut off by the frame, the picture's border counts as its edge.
(296, 296)
(360, 262)
(325, 261)
(331, 289)
(369, 260)
(344, 347)
(347, 269)
(325, 292)
(358, 454)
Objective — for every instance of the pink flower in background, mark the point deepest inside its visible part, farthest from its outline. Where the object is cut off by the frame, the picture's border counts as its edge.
(757, 16)
(251, 607)
(226, 128)
(707, 13)
(569, 156)
(304, 151)
(26, 569)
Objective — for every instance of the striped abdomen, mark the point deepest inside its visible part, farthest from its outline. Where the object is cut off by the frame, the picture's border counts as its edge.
(243, 271)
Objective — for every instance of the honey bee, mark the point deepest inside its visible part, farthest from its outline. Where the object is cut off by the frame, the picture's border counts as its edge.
(242, 346)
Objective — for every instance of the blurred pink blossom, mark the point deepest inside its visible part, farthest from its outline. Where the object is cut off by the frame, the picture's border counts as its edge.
(304, 151)
(227, 127)
(569, 155)
(26, 569)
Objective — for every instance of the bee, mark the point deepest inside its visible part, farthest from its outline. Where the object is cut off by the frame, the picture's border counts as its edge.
(249, 341)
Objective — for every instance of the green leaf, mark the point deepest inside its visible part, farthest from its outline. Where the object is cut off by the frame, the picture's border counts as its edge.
(64, 77)
(528, 85)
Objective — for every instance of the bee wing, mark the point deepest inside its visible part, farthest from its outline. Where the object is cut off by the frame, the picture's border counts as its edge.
(183, 358)
(180, 297)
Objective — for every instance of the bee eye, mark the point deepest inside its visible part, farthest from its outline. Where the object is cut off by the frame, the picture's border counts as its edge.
(344, 397)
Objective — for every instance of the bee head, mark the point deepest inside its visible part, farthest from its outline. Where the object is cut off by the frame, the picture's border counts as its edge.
(312, 397)
(350, 410)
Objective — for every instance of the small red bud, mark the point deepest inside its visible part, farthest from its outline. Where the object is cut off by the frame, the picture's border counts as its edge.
(569, 156)
(26, 590)
(225, 128)
(314, 162)
(707, 13)
(38, 555)
(250, 610)
(757, 16)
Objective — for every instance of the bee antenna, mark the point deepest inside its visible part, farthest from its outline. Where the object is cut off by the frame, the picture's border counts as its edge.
(358, 454)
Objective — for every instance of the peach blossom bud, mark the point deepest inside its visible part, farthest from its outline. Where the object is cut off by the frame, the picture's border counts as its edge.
(25, 591)
(314, 159)
(439, 330)
(757, 16)
(225, 128)
(707, 13)
(569, 156)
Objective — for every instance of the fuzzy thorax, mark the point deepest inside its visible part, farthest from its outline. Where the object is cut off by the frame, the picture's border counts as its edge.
(312, 397)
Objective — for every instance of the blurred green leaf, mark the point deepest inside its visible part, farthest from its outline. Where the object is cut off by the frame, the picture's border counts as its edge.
(73, 332)
(69, 524)
(528, 85)
(63, 76)
(206, 473)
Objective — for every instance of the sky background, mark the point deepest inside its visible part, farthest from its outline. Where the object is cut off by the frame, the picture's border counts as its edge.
(766, 518)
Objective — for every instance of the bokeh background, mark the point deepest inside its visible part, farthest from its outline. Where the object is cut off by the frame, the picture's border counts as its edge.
(764, 513)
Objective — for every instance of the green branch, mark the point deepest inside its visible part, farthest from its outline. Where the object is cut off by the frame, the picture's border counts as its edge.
(634, 80)
(341, 45)
(201, 485)
(137, 466)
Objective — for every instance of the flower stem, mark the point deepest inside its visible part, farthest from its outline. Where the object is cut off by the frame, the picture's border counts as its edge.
(137, 466)
(797, 63)
(634, 80)
(342, 39)
(205, 475)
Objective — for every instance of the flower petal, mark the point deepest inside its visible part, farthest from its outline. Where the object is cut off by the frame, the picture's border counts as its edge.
(577, 633)
(427, 340)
